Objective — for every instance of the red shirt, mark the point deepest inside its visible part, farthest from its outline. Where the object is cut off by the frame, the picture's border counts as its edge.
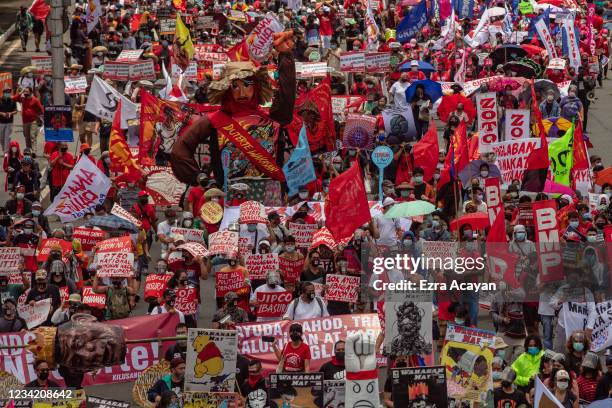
(415, 76)
(295, 357)
(146, 215)
(59, 172)
(325, 24)
(587, 388)
(195, 195)
(31, 108)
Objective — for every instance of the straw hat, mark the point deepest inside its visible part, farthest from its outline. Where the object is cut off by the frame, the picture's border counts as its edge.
(151, 56)
(77, 67)
(213, 192)
(240, 70)
(99, 48)
(29, 69)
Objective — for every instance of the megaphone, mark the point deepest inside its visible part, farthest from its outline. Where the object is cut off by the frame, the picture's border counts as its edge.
(591, 96)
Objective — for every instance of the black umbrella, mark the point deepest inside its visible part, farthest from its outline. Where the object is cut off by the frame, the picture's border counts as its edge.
(522, 69)
(542, 86)
(507, 52)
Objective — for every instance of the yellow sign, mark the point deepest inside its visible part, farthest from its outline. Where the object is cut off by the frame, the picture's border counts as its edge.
(211, 212)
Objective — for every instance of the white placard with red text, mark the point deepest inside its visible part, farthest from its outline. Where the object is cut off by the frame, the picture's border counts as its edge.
(517, 124)
(486, 107)
(342, 288)
(115, 264)
(74, 85)
(258, 265)
(35, 315)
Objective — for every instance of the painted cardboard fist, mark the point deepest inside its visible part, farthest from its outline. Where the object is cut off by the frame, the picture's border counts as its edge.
(361, 373)
(283, 42)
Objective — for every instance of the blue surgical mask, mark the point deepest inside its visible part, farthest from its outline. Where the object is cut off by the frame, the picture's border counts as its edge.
(578, 346)
(533, 350)
(496, 375)
(574, 224)
(520, 236)
(587, 216)
(418, 179)
(35, 213)
(460, 322)
(252, 227)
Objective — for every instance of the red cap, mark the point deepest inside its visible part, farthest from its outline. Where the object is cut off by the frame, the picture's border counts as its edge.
(143, 193)
(85, 146)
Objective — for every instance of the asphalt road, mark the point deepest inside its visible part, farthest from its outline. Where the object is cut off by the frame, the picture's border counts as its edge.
(12, 59)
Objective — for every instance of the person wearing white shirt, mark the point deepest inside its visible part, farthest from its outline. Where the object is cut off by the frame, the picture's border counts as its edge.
(163, 231)
(385, 230)
(169, 298)
(254, 234)
(273, 285)
(307, 305)
(398, 90)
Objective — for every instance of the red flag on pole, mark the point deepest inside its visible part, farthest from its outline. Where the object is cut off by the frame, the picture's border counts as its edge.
(581, 161)
(534, 176)
(346, 207)
(121, 158)
(425, 151)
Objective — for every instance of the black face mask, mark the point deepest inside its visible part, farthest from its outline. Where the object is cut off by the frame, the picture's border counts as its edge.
(315, 262)
(87, 151)
(43, 375)
(340, 355)
(310, 296)
(170, 302)
(401, 364)
(506, 384)
(143, 201)
(295, 337)
(64, 149)
(183, 281)
(117, 284)
(231, 303)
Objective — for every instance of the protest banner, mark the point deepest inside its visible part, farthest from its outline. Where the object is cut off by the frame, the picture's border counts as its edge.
(306, 388)
(189, 74)
(75, 85)
(43, 64)
(201, 54)
(353, 62)
(58, 123)
(302, 233)
(116, 71)
(167, 26)
(44, 248)
(334, 391)
(399, 125)
(486, 107)
(259, 41)
(258, 265)
(142, 70)
(299, 170)
(273, 304)
(322, 334)
(440, 249)
(378, 62)
(517, 124)
(290, 270)
(575, 316)
(342, 288)
(88, 237)
(223, 243)
(186, 300)
(92, 299)
(97, 402)
(419, 385)
(547, 241)
(359, 131)
(85, 188)
(190, 234)
(512, 157)
(230, 281)
(495, 205)
(196, 249)
(6, 80)
(311, 69)
(210, 399)
(467, 355)
(408, 315)
(129, 55)
(556, 63)
(163, 187)
(103, 100)
(10, 260)
(35, 315)
(117, 244)
(342, 104)
(252, 212)
(115, 264)
(211, 360)
(155, 284)
(126, 215)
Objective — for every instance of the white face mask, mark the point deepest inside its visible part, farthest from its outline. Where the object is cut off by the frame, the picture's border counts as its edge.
(562, 385)
(187, 223)
(19, 196)
(14, 149)
(303, 196)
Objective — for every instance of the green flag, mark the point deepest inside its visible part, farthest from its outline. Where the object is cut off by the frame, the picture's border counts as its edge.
(561, 153)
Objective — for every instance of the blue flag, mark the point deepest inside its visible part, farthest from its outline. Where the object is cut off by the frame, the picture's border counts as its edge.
(464, 9)
(299, 170)
(515, 9)
(412, 23)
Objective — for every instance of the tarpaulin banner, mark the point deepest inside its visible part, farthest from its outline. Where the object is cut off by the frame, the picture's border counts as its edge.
(545, 37)
(259, 41)
(319, 333)
(273, 304)
(570, 41)
(85, 188)
(512, 157)
(486, 107)
(575, 316)
(353, 61)
(547, 241)
(88, 237)
(19, 361)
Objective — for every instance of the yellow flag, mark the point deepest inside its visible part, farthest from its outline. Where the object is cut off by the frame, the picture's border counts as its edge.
(183, 39)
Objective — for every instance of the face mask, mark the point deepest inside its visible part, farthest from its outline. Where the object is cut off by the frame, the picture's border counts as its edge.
(19, 196)
(35, 213)
(187, 223)
(533, 350)
(295, 337)
(574, 224)
(460, 322)
(571, 94)
(87, 151)
(340, 355)
(43, 375)
(484, 174)
(468, 234)
(592, 238)
(479, 197)
(7, 94)
(404, 193)
(578, 346)
(587, 216)
(600, 225)
(183, 281)
(310, 296)
(161, 269)
(30, 75)
(562, 385)
(303, 196)
(505, 384)
(496, 375)
(272, 285)
(550, 98)
(290, 248)
(14, 149)
(64, 149)
(232, 262)
(215, 199)
(520, 236)
(28, 231)
(252, 227)
(418, 179)
(315, 262)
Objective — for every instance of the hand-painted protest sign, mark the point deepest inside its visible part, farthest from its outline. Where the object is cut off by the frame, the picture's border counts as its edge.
(167, 26)
(486, 108)
(44, 65)
(252, 212)
(517, 124)
(575, 316)
(210, 399)
(97, 402)
(186, 300)
(378, 62)
(512, 157)
(259, 41)
(359, 131)
(467, 355)
(353, 62)
(44, 248)
(311, 69)
(223, 243)
(427, 384)
(35, 315)
(211, 212)
(196, 249)
(58, 123)
(190, 234)
(189, 74)
(75, 85)
(408, 315)
(92, 299)
(155, 284)
(322, 335)
(115, 264)
(290, 270)
(116, 71)
(258, 265)
(547, 241)
(273, 304)
(88, 237)
(302, 233)
(163, 186)
(126, 215)
(117, 244)
(129, 55)
(399, 125)
(85, 188)
(342, 288)
(307, 388)
(10, 260)
(229, 281)
(211, 360)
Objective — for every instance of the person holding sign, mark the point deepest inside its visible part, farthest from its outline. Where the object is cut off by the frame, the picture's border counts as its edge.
(273, 285)
(230, 313)
(168, 299)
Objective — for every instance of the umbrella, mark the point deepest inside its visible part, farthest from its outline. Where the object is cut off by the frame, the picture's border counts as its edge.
(544, 85)
(111, 222)
(521, 68)
(473, 170)
(500, 84)
(507, 52)
(555, 125)
(449, 105)
(478, 221)
(604, 177)
(423, 66)
(532, 49)
(410, 209)
(431, 88)
(552, 187)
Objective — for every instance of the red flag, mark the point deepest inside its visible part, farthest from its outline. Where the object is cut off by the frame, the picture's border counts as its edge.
(497, 232)
(404, 169)
(346, 207)
(120, 154)
(425, 151)
(534, 176)
(457, 157)
(581, 161)
(240, 52)
(40, 10)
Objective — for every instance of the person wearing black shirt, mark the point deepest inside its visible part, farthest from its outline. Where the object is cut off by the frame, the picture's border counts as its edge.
(254, 388)
(8, 109)
(10, 322)
(334, 369)
(44, 290)
(171, 382)
(507, 395)
(42, 376)
(179, 349)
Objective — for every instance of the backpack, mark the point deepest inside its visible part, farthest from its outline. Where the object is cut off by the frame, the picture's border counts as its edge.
(296, 302)
(117, 304)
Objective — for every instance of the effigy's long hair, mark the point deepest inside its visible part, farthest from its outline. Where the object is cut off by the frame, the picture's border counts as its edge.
(409, 340)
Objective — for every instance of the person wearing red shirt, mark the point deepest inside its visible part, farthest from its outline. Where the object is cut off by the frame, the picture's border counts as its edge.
(196, 193)
(240, 192)
(31, 111)
(326, 19)
(145, 212)
(414, 74)
(296, 356)
(61, 163)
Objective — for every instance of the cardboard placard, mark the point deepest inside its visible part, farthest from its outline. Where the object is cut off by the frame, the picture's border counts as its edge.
(211, 212)
(155, 284)
(190, 74)
(115, 264)
(273, 304)
(35, 315)
(58, 123)
(126, 215)
(252, 212)
(290, 270)
(118, 244)
(302, 233)
(167, 26)
(311, 69)
(353, 62)
(129, 55)
(116, 71)
(223, 243)
(186, 300)
(378, 61)
(10, 260)
(258, 265)
(44, 65)
(95, 300)
(196, 249)
(342, 288)
(88, 237)
(190, 234)
(75, 85)
(142, 70)
(44, 248)
(229, 281)
(517, 124)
